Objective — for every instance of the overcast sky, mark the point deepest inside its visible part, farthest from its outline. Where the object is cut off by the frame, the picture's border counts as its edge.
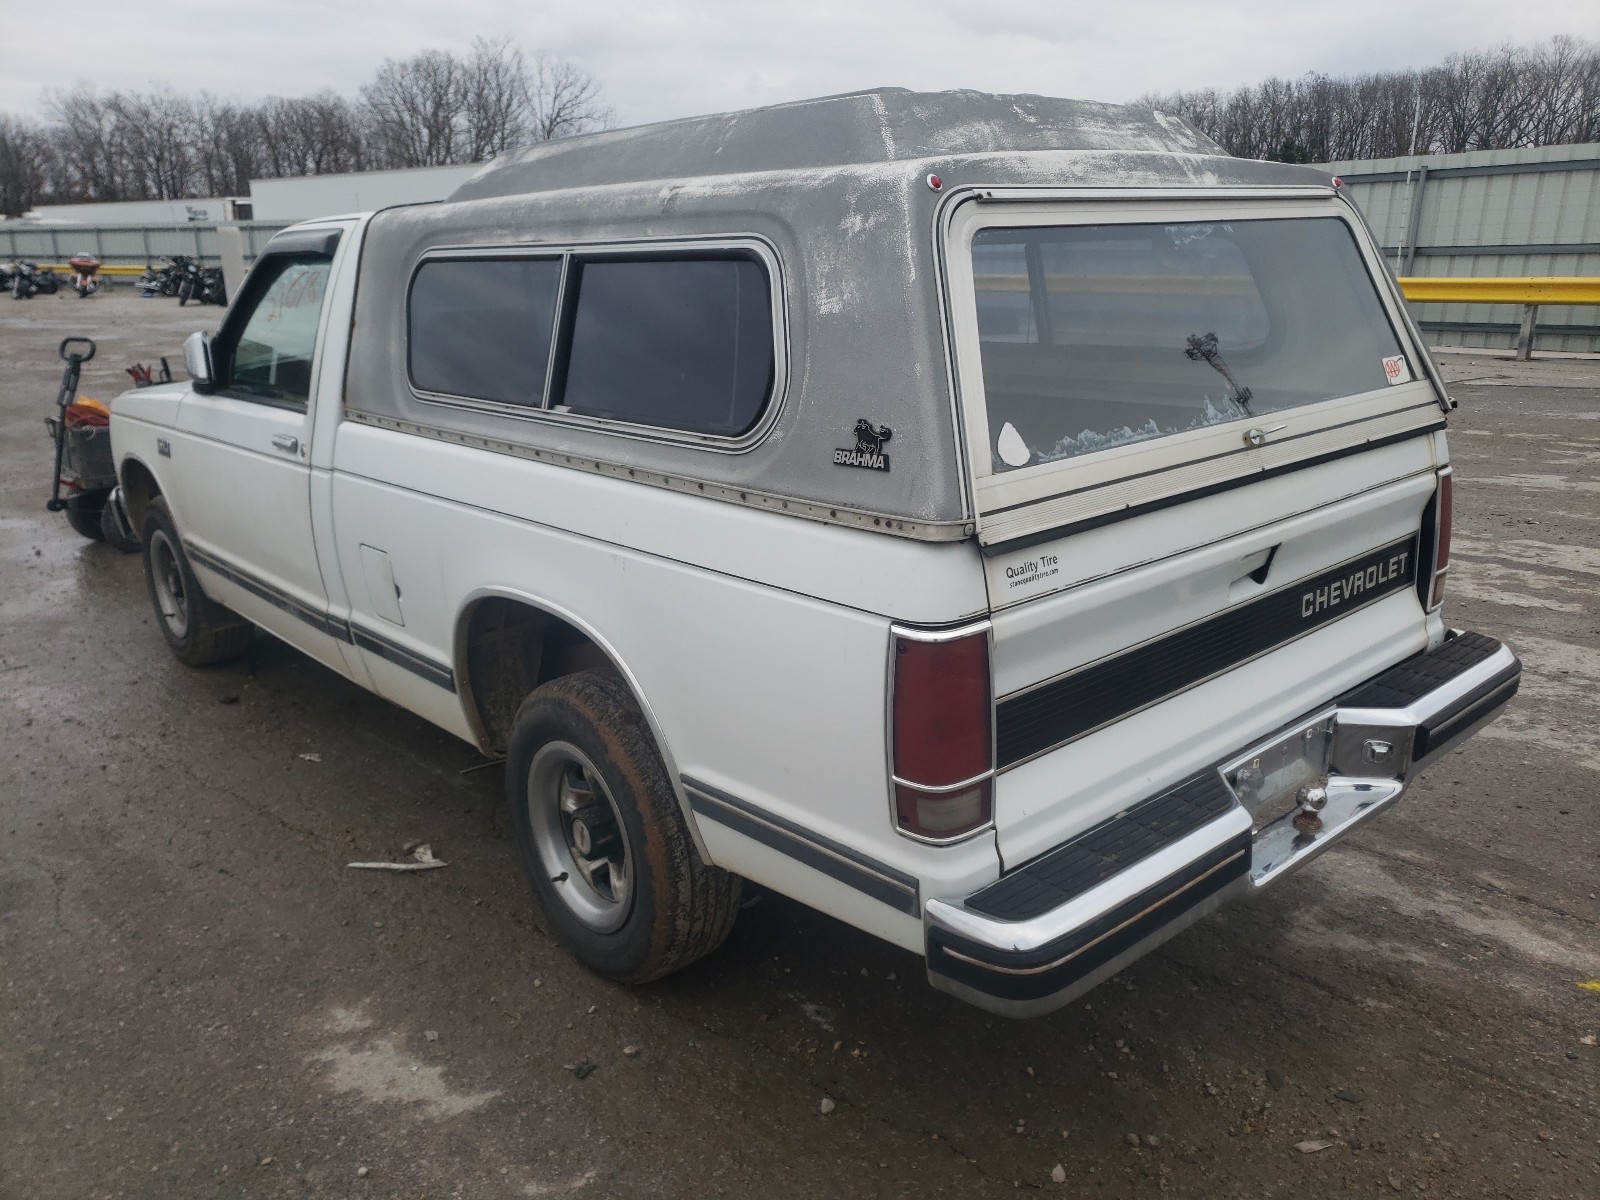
(667, 58)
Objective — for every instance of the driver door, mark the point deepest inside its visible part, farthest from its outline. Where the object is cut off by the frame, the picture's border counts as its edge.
(242, 454)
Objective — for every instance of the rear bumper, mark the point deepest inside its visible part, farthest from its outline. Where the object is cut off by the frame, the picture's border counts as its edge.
(1049, 931)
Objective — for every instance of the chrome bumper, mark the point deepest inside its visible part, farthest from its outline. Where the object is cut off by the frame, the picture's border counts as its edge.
(1049, 931)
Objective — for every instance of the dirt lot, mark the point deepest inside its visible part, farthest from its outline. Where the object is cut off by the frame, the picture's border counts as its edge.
(197, 998)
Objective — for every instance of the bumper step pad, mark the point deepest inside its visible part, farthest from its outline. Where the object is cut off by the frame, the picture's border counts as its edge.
(1112, 846)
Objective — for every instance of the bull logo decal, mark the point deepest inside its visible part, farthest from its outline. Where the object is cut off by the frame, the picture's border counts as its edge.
(870, 440)
(868, 452)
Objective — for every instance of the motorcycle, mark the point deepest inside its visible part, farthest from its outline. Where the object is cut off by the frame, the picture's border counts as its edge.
(29, 280)
(166, 279)
(84, 483)
(214, 291)
(186, 278)
(85, 274)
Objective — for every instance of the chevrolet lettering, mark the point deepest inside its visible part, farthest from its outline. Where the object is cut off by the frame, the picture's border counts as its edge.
(1149, 612)
(1341, 590)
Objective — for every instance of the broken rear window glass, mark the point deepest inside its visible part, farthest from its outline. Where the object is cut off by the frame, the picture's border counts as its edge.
(1095, 336)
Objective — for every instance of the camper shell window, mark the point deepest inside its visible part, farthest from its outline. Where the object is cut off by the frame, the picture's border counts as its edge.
(1100, 335)
(672, 340)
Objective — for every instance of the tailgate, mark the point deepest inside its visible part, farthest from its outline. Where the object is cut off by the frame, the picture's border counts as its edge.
(1112, 688)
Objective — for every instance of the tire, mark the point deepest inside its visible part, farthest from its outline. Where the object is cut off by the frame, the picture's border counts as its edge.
(185, 291)
(619, 880)
(84, 515)
(19, 289)
(198, 629)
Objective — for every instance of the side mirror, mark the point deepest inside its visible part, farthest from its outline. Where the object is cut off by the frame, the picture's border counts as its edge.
(197, 361)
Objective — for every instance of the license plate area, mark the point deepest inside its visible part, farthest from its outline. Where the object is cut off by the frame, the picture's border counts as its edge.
(1276, 777)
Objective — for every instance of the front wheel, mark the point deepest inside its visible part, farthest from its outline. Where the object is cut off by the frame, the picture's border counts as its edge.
(602, 838)
(185, 291)
(198, 629)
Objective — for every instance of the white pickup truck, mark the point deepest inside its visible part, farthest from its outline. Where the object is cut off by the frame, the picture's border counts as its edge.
(1006, 524)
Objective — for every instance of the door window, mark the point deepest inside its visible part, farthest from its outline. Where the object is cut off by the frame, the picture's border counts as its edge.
(265, 351)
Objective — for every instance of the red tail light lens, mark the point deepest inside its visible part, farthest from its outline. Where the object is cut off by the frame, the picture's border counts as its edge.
(1441, 539)
(943, 747)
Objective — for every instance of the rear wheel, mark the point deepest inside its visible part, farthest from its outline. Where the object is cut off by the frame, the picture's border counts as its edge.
(605, 845)
(198, 629)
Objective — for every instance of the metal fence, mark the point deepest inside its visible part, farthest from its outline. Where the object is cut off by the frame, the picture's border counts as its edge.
(130, 245)
(1532, 212)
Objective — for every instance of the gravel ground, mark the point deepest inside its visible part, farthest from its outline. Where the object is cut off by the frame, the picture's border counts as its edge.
(197, 998)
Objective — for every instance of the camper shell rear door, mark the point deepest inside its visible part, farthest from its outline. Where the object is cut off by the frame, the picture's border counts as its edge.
(1173, 430)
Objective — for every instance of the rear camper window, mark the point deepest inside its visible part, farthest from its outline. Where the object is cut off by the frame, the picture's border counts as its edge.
(676, 341)
(481, 328)
(680, 343)
(1095, 336)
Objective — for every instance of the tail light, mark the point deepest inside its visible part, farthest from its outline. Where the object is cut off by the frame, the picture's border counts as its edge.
(942, 725)
(1443, 511)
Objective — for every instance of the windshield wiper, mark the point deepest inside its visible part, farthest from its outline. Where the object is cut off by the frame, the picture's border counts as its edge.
(1204, 349)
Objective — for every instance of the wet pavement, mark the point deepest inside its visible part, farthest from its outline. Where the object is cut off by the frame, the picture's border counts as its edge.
(198, 998)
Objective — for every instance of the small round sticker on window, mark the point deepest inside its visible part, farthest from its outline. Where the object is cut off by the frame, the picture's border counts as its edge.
(1395, 370)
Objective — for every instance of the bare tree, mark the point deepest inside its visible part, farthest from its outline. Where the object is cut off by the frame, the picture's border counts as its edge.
(25, 166)
(496, 110)
(1482, 100)
(566, 100)
(416, 107)
(156, 134)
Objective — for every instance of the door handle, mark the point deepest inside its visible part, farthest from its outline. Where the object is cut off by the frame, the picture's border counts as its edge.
(286, 442)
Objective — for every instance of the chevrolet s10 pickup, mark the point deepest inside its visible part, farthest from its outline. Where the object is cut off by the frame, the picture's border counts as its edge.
(1009, 525)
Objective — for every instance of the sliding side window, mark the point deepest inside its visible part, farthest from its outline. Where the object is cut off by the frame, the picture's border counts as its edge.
(680, 343)
(481, 328)
(674, 340)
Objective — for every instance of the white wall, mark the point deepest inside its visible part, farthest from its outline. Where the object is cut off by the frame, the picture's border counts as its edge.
(308, 196)
(137, 212)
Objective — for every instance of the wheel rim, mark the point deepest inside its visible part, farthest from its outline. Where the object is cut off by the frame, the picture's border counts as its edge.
(172, 601)
(579, 836)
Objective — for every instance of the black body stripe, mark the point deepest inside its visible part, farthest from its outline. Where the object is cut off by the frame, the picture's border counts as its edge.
(1227, 485)
(867, 875)
(436, 673)
(1090, 697)
(316, 618)
(427, 668)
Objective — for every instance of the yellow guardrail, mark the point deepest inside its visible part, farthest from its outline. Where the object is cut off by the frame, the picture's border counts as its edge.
(1533, 289)
(105, 269)
(1530, 291)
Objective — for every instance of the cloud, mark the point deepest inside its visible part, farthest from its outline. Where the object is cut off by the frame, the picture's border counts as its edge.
(666, 58)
